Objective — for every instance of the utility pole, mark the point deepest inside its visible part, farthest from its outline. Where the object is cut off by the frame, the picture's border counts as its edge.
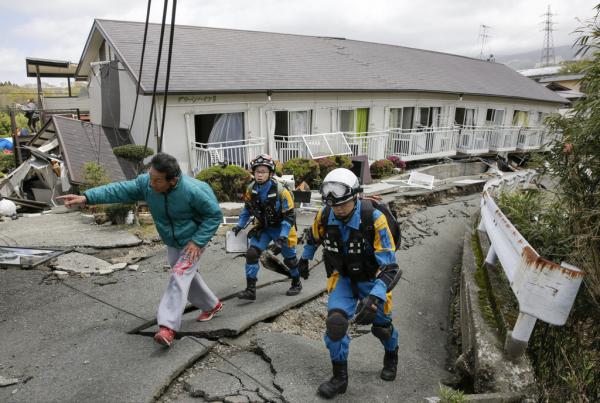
(483, 35)
(548, 58)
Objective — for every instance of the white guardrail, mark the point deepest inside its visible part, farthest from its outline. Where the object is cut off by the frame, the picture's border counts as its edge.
(544, 290)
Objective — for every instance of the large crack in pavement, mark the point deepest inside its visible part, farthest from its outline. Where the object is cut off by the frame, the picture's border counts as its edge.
(307, 321)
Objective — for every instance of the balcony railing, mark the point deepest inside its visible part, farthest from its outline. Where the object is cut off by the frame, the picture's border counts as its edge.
(530, 138)
(311, 146)
(504, 138)
(236, 152)
(474, 139)
(418, 144)
(372, 144)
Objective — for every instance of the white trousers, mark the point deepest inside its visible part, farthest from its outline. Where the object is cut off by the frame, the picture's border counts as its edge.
(183, 286)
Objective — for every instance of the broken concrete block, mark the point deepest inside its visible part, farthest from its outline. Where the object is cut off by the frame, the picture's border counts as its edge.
(7, 381)
(213, 385)
(133, 267)
(236, 399)
(118, 266)
(103, 272)
(80, 263)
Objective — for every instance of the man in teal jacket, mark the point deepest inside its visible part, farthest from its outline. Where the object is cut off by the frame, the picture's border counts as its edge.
(186, 214)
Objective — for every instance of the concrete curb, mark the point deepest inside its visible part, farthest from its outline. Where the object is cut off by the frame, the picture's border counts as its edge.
(482, 355)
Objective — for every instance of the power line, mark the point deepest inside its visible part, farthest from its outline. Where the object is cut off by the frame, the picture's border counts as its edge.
(166, 93)
(137, 92)
(160, 45)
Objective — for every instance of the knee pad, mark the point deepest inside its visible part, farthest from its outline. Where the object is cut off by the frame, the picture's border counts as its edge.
(336, 324)
(383, 332)
(291, 263)
(252, 255)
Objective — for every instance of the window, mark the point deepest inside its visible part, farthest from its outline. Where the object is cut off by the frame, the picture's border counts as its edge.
(218, 127)
(292, 123)
(401, 118)
(464, 117)
(520, 118)
(354, 120)
(494, 117)
(429, 117)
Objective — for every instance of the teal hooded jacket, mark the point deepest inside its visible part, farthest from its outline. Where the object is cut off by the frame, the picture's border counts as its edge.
(188, 212)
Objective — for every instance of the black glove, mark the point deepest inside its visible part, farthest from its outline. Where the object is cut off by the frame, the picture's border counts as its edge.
(390, 275)
(236, 230)
(253, 233)
(303, 268)
(366, 311)
(278, 245)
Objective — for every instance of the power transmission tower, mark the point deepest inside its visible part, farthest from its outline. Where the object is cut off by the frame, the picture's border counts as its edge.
(548, 58)
(483, 35)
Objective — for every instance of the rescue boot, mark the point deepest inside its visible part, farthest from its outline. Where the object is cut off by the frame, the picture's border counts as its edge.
(390, 365)
(295, 288)
(250, 291)
(338, 382)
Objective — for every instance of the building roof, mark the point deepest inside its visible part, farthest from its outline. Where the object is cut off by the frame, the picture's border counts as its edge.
(83, 142)
(564, 77)
(49, 68)
(540, 71)
(214, 60)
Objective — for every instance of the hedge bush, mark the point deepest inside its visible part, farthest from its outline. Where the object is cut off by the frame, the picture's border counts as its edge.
(398, 163)
(94, 175)
(328, 164)
(228, 183)
(382, 168)
(304, 170)
(133, 152)
(278, 168)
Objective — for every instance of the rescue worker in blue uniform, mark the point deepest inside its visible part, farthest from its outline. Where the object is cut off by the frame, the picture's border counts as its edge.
(273, 207)
(360, 271)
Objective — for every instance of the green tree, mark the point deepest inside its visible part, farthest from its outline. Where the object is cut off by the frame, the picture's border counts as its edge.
(574, 66)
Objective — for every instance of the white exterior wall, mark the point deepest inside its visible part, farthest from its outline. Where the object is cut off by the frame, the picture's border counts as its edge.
(179, 133)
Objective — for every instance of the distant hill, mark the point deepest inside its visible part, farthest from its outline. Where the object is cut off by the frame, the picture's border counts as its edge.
(529, 60)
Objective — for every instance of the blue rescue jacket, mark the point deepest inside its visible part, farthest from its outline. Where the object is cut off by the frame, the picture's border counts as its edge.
(188, 212)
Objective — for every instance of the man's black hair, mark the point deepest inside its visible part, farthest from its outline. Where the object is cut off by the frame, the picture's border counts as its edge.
(166, 164)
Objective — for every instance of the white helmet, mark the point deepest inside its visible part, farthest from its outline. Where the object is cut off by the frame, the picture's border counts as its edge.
(339, 186)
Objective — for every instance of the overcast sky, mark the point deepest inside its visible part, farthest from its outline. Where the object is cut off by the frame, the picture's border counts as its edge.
(57, 29)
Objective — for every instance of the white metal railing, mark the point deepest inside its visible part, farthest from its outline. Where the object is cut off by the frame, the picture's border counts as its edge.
(311, 146)
(544, 290)
(236, 152)
(474, 139)
(530, 138)
(504, 138)
(422, 143)
(372, 144)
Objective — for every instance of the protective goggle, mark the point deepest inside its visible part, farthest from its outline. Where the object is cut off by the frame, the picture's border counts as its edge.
(336, 193)
(262, 160)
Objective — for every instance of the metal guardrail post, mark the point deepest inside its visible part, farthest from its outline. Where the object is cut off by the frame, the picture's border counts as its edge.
(544, 290)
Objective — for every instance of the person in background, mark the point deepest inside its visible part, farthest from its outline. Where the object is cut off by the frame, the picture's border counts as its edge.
(273, 206)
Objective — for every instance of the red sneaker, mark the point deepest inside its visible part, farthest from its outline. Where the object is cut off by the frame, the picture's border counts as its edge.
(165, 336)
(208, 315)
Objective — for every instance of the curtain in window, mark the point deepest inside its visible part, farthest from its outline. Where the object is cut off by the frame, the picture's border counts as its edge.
(270, 121)
(362, 120)
(395, 118)
(228, 127)
(499, 117)
(520, 118)
(469, 117)
(435, 117)
(299, 123)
